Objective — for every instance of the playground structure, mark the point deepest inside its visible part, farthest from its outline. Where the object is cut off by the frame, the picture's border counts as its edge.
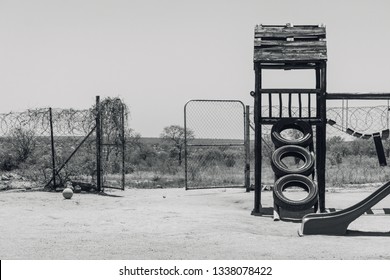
(288, 47)
(291, 48)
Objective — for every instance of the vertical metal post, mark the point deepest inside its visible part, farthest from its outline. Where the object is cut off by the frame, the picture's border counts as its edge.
(258, 148)
(123, 140)
(185, 148)
(53, 160)
(323, 142)
(270, 104)
(387, 114)
(98, 146)
(280, 105)
(342, 115)
(321, 133)
(300, 104)
(346, 114)
(247, 149)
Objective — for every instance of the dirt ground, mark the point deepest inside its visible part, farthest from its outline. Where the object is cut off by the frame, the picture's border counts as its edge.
(175, 224)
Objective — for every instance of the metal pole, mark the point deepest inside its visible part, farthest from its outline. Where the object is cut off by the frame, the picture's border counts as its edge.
(258, 148)
(123, 146)
(52, 148)
(346, 114)
(185, 148)
(98, 145)
(247, 150)
(387, 114)
(321, 133)
(342, 115)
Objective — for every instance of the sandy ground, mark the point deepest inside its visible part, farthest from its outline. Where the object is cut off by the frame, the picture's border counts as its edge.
(175, 224)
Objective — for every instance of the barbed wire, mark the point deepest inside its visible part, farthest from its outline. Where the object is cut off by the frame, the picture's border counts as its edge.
(36, 120)
(66, 122)
(72, 122)
(365, 120)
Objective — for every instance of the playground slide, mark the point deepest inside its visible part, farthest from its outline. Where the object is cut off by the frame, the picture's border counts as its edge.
(336, 223)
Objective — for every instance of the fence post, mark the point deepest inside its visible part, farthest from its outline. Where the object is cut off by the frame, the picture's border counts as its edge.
(98, 145)
(53, 160)
(123, 146)
(387, 114)
(247, 149)
(185, 148)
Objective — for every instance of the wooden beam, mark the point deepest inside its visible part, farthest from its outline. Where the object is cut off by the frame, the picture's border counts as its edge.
(289, 90)
(366, 96)
(272, 121)
(288, 64)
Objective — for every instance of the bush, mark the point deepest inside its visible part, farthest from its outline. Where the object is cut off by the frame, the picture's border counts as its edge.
(230, 158)
(23, 143)
(8, 162)
(213, 156)
(336, 158)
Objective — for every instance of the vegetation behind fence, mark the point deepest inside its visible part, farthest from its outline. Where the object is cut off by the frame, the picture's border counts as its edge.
(218, 160)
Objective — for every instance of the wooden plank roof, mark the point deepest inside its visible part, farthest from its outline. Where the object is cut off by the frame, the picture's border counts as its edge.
(287, 43)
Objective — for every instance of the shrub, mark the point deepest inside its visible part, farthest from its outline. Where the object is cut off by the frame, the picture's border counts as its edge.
(8, 162)
(23, 143)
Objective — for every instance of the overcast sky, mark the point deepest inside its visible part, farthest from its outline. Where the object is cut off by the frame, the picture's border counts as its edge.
(158, 54)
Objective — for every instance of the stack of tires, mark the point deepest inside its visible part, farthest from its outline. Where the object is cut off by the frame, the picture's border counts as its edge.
(293, 176)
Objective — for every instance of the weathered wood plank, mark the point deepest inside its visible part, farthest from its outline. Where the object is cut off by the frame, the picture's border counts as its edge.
(287, 64)
(260, 27)
(286, 32)
(279, 43)
(285, 35)
(283, 54)
(291, 49)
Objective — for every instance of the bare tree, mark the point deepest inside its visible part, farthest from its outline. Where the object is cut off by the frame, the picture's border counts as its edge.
(174, 135)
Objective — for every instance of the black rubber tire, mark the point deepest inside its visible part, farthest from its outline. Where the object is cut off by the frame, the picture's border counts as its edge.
(296, 151)
(297, 181)
(284, 124)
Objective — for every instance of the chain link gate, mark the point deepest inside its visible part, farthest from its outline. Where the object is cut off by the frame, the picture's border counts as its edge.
(110, 143)
(216, 144)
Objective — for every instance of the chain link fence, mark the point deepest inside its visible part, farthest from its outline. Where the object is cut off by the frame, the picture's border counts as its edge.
(215, 144)
(39, 143)
(26, 143)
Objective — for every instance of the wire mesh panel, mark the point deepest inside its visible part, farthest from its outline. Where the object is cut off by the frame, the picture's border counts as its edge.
(27, 146)
(113, 115)
(55, 146)
(215, 145)
(23, 137)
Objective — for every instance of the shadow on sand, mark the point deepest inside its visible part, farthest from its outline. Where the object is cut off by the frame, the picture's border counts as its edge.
(109, 195)
(367, 233)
